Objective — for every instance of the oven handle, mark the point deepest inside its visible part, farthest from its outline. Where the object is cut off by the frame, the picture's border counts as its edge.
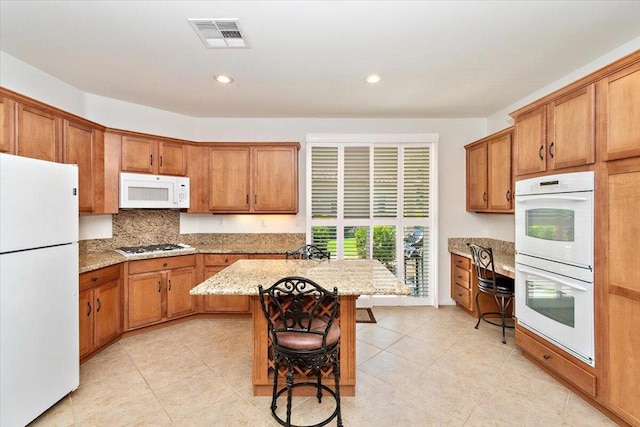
(570, 198)
(555, 279)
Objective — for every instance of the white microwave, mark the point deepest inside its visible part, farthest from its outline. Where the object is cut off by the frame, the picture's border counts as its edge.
(153, 191)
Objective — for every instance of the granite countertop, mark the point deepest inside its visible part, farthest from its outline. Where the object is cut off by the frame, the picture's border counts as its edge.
(503, 252)
(351, 277)
(94, 261)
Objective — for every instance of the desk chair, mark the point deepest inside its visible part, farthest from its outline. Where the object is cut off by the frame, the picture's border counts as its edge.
(500, 288)
(304, 336)
(308, 252)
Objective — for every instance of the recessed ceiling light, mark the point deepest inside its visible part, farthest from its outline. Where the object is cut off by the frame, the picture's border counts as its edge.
(373, 78)
(223, 78)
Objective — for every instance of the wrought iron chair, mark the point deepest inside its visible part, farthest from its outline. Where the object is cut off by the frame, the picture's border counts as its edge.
(305, 337)
(308, 252)
(501, 288)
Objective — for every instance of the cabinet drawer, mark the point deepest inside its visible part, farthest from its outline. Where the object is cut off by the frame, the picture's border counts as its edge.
(556, 362)
(157, 264)
(267, 256)
(462, 262)
(461, 277)
(222, 259)
(98, 277)
(461, 295)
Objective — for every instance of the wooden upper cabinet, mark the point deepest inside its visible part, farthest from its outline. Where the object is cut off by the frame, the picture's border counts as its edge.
(571, 129)
(7, 125)
(619, 113)
(499, 173)
(254, 178)
(172, 158)
(489, 179)
(530, 142)
(198, 173)
(77, 149)
(229, 179)
(137, 155)
(557, 135)
(275, 179)
(477, 195)
(38, 134)
(151, 156)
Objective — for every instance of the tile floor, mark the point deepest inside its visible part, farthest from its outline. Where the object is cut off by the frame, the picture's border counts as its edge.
(417, 366)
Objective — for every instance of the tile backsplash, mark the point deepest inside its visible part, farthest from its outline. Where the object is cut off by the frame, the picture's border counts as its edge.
(135, 227)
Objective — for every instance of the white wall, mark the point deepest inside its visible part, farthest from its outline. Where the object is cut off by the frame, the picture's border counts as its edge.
(501, 119)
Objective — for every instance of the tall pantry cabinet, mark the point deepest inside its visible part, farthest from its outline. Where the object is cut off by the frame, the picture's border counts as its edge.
(618, 232)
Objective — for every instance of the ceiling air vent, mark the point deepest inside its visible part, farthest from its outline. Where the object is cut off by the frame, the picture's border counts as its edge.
(219, 33)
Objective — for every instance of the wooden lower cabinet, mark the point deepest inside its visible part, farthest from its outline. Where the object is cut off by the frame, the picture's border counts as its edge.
(100, 308)
(464, 288)
(158, 290)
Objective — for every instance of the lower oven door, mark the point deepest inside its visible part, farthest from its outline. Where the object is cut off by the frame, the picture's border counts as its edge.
(558, 308)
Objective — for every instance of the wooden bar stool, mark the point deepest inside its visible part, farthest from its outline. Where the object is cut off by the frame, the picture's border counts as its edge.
(304, 337)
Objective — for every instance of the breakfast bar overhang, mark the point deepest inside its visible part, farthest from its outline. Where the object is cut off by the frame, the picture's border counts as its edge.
(352, 278)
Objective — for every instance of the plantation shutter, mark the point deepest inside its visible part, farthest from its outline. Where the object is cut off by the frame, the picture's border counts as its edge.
(385, 182)
(416, 182)
(356, 182)
(324, 178)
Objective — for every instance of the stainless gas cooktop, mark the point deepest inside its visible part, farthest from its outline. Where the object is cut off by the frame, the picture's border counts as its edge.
(171, 248)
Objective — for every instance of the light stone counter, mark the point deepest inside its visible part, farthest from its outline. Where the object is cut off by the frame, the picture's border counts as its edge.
(351, 277)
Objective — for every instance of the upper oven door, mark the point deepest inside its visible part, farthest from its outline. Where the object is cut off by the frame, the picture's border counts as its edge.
(556, 227)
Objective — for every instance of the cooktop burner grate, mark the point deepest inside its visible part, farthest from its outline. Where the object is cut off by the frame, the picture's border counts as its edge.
(127, 250)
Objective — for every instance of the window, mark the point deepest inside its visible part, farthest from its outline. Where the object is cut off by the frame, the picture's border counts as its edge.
(371, 196)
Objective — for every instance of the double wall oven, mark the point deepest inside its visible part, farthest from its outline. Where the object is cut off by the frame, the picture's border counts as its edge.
(554, 218)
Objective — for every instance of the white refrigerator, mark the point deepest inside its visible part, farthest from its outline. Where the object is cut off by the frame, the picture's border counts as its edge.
(39, 332)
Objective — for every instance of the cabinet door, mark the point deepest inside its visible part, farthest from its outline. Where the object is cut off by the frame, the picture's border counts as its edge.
(530, 142)
(38, 134)
(619, 113)
(477, 198)
(173, 158)
(7, 125)
(139, 155)
(229, 184)
(77, 149)
(623, 284)
(86, 322)
(499, 174)
(144, 294)
(571, 130)
(275, 179)
(179, 283)
(198, 172)
(107, 312)
(224, 303)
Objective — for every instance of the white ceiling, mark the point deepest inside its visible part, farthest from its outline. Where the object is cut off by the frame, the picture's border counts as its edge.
(310, 58)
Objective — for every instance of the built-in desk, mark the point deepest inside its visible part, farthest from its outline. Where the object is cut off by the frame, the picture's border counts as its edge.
(351, 277)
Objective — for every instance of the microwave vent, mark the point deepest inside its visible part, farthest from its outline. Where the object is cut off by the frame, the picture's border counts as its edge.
(219, 33)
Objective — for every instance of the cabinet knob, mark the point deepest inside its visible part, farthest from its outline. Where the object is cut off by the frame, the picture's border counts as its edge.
(508, 195)
(94, 279)
(99, 305)
(164, 264)
(551, 149)
(169, 284)
(88, 308)
(160, 160)
(151, 159)
(159, 287)
(546, 357)
(484, 196)
(540, 152)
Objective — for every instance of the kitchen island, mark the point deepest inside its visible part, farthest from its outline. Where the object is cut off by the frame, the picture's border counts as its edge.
(352, 278)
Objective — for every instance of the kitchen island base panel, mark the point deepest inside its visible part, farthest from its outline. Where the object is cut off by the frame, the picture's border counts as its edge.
(263, 382)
